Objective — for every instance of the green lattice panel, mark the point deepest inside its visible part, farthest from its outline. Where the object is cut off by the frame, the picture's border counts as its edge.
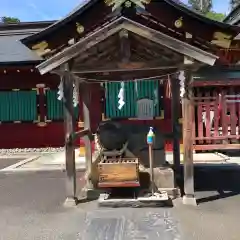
(18, 106)
(133, 91)
(55, 107)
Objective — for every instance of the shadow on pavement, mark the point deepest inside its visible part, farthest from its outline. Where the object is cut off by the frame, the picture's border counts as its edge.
(220, 180)
(220, 195)
(85, 200)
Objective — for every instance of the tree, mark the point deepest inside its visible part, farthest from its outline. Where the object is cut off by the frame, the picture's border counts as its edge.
(215, 16)
(234, 3)
(202, 6)
(9, 20)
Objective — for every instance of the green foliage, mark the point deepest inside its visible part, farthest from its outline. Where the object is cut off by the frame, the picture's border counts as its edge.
(9, 20)
(202, 6)
(215, 16)
(206, 10)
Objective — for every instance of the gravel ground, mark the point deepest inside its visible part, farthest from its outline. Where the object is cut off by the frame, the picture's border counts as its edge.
(30, 150)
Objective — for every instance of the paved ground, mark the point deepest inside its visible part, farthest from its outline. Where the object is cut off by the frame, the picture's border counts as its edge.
(31, 208)
(56, 161)
(6, 162)
(218, 212)
(45, 162)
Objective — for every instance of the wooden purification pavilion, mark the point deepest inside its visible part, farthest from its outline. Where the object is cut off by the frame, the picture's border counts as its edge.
(123, 40)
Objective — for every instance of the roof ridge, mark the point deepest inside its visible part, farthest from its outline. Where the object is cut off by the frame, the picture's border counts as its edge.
(24, 26)
(18, 32)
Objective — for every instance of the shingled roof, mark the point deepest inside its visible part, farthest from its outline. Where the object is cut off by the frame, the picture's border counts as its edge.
(11, 48)
(87, 4)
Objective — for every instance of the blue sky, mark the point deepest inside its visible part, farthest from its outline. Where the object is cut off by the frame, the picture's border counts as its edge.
(35, 10)
(219, 5)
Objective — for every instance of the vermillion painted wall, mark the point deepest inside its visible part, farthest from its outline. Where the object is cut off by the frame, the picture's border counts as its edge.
(30, 135)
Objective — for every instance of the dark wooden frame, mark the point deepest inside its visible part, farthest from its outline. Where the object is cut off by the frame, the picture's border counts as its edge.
(188, 129)
(71, 135)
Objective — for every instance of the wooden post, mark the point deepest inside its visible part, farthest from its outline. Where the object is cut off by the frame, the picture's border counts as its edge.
(188, 118)
(86, 98)
(69, 130)
(175, 125)
(125, 50)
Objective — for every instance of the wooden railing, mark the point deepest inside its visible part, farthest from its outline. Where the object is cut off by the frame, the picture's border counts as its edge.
(217, 118)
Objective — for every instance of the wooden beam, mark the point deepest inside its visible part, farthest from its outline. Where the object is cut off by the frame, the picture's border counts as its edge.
(94, 58)
(125, 76)
(148, 55)
(141, 56)
(69, 130)
(188, 118)
(143, 51)
(175, 125)
(170, 42)
(82, 133)
(123, 70)
(216, 147)
(220, 82)
(113, 66)
(86, 98)
(81, 46)
(125, 50)
(154, 49)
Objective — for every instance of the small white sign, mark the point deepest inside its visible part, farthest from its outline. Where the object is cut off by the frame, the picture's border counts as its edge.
(145, 109)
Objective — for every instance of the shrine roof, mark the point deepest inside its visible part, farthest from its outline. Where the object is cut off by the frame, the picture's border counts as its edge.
(11, 48)
(93, 24)
(104, 7)
(62, 22)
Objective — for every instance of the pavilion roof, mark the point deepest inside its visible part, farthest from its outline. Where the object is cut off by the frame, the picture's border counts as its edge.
(91, 32)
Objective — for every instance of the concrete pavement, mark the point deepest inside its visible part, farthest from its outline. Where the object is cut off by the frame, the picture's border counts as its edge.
(56, 161)
(43, 162)
(31, 206)
(6, 162)
(218, 196)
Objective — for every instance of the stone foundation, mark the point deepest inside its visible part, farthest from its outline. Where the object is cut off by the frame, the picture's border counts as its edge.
(164, 181)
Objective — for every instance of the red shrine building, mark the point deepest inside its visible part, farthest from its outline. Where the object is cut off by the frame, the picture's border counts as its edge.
(31, 115)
